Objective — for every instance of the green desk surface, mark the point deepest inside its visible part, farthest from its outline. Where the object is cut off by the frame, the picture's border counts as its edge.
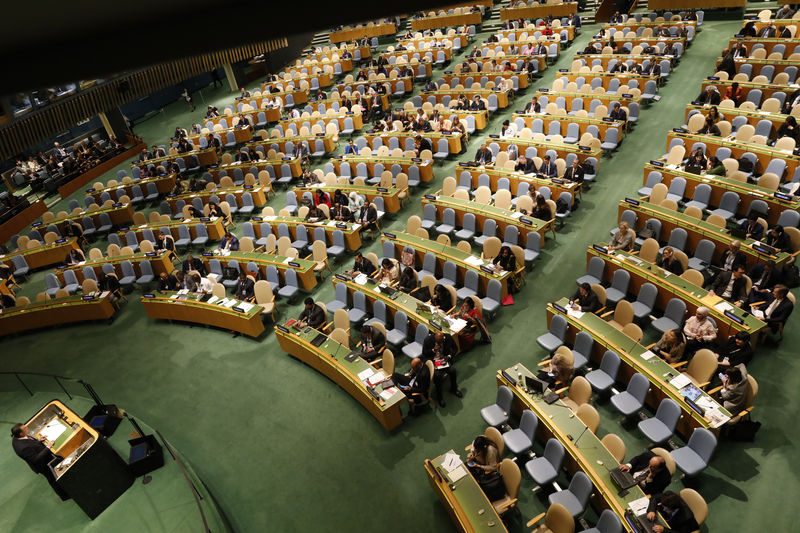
(488, 210)
(253, 163)
(704, 228)
(68, 243)
(192, 300)
(331, 348)
(547, 145)
(680, 287)
(445, 252)
(382, 159)
(86, 213)
(658, 371)
(329, 225)
(712, 140)
(221, 192)
(170, 157)
(73, 301)
(261, 258)
(404, 302)
(584, 446)
(474, 504)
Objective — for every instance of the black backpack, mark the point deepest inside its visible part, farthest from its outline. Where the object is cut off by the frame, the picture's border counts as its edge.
(745, 165)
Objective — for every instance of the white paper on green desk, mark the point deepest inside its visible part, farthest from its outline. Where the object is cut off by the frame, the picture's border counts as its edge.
(474, 261)
(332, 223)
(355, 226)
(639, 506)
(246, 306)
(723, 306)
(706, 402)
(376, 378)
(680, 381)
(516, 214)
(286, 261)
(387, 394)
(457, 324)
(361, 279)
(183, 291)
(173, 297)
(716, 417)
(186, 221)
(648, 355)
(451, 461)
(230, 303)
(53, 430)
(574, 313)
(270, 217)
(457, 473)
(210, 300)
(365, 374)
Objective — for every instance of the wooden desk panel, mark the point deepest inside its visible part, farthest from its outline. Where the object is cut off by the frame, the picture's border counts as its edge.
(276, 164)
(527, 32)
(190, 310)
(214, 228)
(454, 79)
(539, 11)
(502, 96)
(515, 178)
(257, 193)
(205, 157)
(391, 200)
(160, 262)
(359, 32)
(606, 77)
(425, 165)
(352, 237)
(280, 142)
(720, 185)
(324, 79)
(58, 312)
(482, 212)
(454, 140)
(329, 360)
(697, 230)
(561, 149)
(120, 215)
(769, 43)
(662, 5)
(272, 114)
(767, 89)
(444, 21)
(44, 255)
(305, 270)
(582, 122)
(21, 220)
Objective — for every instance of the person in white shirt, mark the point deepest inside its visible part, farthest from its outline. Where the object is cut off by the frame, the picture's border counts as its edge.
(206, 285)
(699, 331)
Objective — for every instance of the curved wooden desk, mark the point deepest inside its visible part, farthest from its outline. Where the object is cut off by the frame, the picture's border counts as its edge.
(55, 313)
(168, 306)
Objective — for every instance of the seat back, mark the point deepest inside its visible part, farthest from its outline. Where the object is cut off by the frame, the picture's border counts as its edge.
(580, 391)
(702, 365)
(668, 412)
(589, 416)
(615, 446)
(703, 443)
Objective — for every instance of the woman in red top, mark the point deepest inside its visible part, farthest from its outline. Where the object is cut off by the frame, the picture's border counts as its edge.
(321, 198)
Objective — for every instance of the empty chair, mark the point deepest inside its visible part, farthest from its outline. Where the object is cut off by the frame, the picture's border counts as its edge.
(677, 188)
(291, 286)
(677, 239)
(695, 456)
(645, 301)
(703, 255)
(728, 205)
(604, 377)
(533, 242)
(554, 337)
(631, 400)
(576, 496)
(448, 224)
(128, 274)
(489, 230)
(492, 302)
(557, 519)
(467, 230)
(520, 440)
(701, 196)
(673, 316)
(52, 285)
(661, 427)
(201, 235)
(497, 414)
(428, 217)
(399, 333)
(619, 287)
(653, 178)
(71, 284)
(545, 469)
(594, 273)
(147, 273)
(414, 349)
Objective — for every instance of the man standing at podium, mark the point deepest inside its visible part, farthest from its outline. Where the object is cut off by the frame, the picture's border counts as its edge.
(36, 454)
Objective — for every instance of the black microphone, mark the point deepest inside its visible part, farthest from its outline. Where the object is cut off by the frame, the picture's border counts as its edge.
(579, 436)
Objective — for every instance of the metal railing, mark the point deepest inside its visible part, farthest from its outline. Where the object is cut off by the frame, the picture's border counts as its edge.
(65, 385)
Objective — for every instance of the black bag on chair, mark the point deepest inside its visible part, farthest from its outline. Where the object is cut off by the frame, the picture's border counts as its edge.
(492, 485)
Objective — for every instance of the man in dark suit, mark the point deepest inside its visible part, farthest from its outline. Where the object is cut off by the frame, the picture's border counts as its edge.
(674, 510)
(710, 96)
(362, 264)
(60, 153)
(369, 217)
(585, 299)
(36, 454)
(533, 106)
(548, 168)
(483, 156)
(764, 277)
(168, 282)
(778, 238)
(731, 285)
(417, 381)
(312, 315)
(751, 227)
(618, 113)
(768, 31)
(477, 104)
(776, 310)
(735, 351)
(372, 342)
(784, 33)
(649, 471)
(791, 101)
(733, 256)
(525, 165)
(193, 263)
(422, 143)
(245, 287)
(440, 349)
(574, 173)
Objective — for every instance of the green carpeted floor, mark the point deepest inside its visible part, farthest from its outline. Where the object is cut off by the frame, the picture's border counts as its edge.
(284, 449)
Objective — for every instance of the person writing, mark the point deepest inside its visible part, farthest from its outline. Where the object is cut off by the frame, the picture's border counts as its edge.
(74, 257)
(312, 315)
(229, 243)
(585, 299)
(362, 264)
(389, 272)
(440, 349)
(168, 282)
(673, 509)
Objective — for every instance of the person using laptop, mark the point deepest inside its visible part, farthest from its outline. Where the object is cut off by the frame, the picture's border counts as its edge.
(312, 315)
(372, 342)
(751, 228)
(674, 510)
(417, 381)
(649, 471)
(558, 370)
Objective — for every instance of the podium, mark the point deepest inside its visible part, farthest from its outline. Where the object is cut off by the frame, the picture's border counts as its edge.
(88, 468)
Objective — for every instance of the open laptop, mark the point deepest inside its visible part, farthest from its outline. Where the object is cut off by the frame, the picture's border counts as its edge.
(622, 480)
(535, 385)
(738, 233)
(638, 524)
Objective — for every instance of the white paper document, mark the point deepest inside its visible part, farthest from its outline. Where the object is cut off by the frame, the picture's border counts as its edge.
(53, 430)
(648, 355)
(451, 462)
(457, 324)
(723, 306)
(361, 279)
(365, 374)
(210, 300)
(574, 313)
(680, 381)
(387, 394)
(376, 378)
(639, 507)
(230, 303)
(246, 306)
(457, 473)
(474, 261)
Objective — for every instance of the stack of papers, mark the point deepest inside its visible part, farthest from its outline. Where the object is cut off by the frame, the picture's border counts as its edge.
(716, 418)
(210, 300)
(376, 378)
(246, 306)
(723, 306)
(572, 312)
(639, 507)
(457, 324)
(361, 279)
(230, 303)
(387, 394)
(365, 374)
(474, 261)
(648, 355)
(680, 381)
